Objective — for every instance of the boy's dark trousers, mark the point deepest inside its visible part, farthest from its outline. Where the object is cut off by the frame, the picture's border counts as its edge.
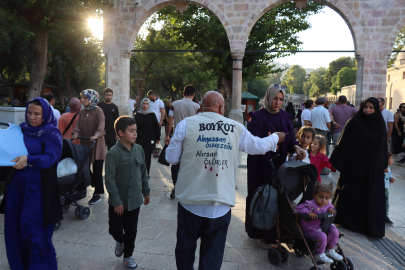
(123, 228)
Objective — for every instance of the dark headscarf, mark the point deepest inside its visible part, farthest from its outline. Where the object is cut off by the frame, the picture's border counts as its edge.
(290, 109)
(74, 105)
(48, 132)
(361, 153)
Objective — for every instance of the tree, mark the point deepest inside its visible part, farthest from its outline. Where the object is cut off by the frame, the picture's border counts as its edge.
(277, 29)
(337, 65)
(41, 17)
(316, 83)
(346, 76)
(398, 45)
(295, 79)
(258, 87)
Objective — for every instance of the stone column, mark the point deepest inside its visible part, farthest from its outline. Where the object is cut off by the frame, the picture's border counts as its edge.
(359, 80)
(118, 79)
(236, 112)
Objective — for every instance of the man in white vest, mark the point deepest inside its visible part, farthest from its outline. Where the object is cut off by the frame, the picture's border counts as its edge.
(206, 146)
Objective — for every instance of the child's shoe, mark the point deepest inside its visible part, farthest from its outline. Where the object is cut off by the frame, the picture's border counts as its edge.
(130, 263)
(333, 255)
(388, 221)
(323, 258)
(119, 249)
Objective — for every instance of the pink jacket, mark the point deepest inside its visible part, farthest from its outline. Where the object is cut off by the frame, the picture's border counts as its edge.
(320, 161)
(311, 206)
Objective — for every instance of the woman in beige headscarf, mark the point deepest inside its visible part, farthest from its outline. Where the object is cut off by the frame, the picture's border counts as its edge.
(271, 119)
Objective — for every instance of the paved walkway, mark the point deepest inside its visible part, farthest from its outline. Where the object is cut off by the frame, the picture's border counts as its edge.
(86, 244)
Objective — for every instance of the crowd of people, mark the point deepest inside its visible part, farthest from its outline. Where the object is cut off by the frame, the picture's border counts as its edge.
(202, 147)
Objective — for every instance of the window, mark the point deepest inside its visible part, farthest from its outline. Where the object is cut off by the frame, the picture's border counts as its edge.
(390, 107)
(403, 75)
(389, 77)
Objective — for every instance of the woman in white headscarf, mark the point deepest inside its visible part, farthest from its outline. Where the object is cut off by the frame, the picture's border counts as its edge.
(148, 130)
(271, 119)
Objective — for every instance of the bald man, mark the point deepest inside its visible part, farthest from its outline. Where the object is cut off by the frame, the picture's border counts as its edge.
(206, 146)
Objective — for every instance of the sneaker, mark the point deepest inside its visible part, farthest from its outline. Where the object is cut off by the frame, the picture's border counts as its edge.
(95, 199)
(400, 163)
(173, 194)
(388, 221)
(323, 258)
(333, 255)
(130, 263)
(119, 249)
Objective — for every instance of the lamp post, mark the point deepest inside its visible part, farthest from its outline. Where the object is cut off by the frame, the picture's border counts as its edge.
(137, 89)
(200, 90)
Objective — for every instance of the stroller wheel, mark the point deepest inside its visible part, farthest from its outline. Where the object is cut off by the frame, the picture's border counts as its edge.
(57, 226)
(274, 256)
(84, 213)
(340, 265)
(350, 265)
(65, 208)
(299, 252)
(77, 211)
(284, 254)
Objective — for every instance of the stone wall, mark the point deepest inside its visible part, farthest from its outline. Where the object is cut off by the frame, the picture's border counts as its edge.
(373, 24)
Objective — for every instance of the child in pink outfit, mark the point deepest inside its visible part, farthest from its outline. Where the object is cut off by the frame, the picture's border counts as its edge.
(317, 155)
(320, 204)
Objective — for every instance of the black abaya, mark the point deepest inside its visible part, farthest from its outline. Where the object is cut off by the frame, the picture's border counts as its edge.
(396, 139)
(361, 156)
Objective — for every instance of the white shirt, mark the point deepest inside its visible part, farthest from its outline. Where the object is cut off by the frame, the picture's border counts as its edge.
(132, 103)
(56, 113)
(306, 115)
(247, 143)
(388, 117)
(319, 118)
(156, 106)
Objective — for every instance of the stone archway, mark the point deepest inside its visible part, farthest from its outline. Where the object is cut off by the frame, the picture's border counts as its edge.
(374, 26)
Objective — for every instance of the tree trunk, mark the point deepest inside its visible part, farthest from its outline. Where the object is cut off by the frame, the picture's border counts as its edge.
(60, 93)
(224, 87)
(69, 88)
(39, 47)
(145, 72)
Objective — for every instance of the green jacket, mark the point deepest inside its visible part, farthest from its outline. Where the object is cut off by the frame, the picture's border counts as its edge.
(126, 177)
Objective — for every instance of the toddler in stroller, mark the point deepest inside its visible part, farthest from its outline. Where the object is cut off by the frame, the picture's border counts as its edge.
(313, 228)
(295, 179)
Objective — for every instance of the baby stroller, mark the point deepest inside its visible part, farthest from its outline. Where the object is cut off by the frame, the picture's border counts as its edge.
(72, 188)
(293, 180)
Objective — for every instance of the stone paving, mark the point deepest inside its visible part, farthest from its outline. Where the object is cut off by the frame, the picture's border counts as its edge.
(86, 244)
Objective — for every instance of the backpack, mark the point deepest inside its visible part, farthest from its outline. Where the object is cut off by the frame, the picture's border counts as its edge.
(264, 207)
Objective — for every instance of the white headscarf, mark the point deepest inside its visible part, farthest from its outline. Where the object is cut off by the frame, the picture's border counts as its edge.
(272, 91)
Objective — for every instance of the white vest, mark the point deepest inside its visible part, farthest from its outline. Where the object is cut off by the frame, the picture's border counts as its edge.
(209, 161)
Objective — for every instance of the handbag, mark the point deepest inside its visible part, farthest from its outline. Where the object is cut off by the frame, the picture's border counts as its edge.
(162, 157)
(264, 207)
(297, 124)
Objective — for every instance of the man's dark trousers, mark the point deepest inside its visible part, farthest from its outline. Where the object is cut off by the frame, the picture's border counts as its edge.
(110, 140)
(175, 172)
(212, 232)
(123, 228)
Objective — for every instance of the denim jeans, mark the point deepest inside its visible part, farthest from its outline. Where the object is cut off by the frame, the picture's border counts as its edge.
(335, 139)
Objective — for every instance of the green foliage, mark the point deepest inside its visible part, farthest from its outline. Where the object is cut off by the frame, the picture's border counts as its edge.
(316, 82)
(295, 78)
(277, 29)
(258, 87)
(398, 45)
(337, 65)
(346, 76)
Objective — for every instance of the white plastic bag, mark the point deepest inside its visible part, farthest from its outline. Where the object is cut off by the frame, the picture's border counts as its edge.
(67, 167)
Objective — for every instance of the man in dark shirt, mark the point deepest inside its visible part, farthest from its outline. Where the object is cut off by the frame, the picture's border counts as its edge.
(111, 113)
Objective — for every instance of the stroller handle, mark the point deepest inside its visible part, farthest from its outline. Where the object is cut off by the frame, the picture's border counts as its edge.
(320, 216)
(87, 138)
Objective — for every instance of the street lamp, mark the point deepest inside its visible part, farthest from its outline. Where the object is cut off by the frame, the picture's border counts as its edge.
(200, 90)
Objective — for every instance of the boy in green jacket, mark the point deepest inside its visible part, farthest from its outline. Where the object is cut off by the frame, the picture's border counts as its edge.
(126, 180)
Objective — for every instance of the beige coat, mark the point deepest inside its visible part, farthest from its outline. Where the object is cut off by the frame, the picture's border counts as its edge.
(91, 123)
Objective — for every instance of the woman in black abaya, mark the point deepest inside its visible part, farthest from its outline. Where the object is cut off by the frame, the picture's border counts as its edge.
(361, 157)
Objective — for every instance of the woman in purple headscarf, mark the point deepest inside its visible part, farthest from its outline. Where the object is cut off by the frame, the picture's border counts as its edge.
(32, 203)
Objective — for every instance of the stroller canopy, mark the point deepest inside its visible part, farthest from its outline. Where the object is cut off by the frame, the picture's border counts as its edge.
(291, 176)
